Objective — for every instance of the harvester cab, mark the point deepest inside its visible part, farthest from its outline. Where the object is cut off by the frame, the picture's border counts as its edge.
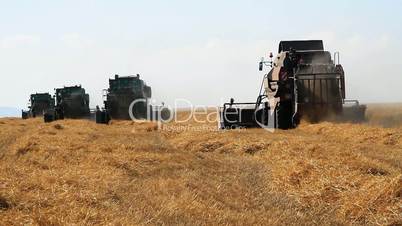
(128, 98)
(304, 81)
(71, 102)
(39, 103)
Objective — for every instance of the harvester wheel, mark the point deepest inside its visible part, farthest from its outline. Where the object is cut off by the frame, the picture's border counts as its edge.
(25, 115)
(284, 115)
(102, 117)
(48, 117)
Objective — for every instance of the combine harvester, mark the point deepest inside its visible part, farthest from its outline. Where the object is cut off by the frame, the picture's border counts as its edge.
(71, 102)
(304, 82)
(128, 98)
(39, 103)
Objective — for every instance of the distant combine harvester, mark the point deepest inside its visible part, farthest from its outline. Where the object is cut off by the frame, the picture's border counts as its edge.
(39, 103)
(126, 98)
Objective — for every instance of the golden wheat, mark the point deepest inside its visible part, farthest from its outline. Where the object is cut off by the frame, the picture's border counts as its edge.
(130, 173)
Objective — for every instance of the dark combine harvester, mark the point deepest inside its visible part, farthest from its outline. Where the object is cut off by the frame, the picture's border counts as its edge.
(128, 98)
(39, 104)
(71, 102)
(304, 82)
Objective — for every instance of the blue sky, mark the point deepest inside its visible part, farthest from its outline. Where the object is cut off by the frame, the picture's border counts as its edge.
(205, 51)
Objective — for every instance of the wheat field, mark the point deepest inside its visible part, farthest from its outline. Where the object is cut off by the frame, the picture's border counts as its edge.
(74, 172)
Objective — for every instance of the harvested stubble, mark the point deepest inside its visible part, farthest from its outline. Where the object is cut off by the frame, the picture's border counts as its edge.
(128, 173)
